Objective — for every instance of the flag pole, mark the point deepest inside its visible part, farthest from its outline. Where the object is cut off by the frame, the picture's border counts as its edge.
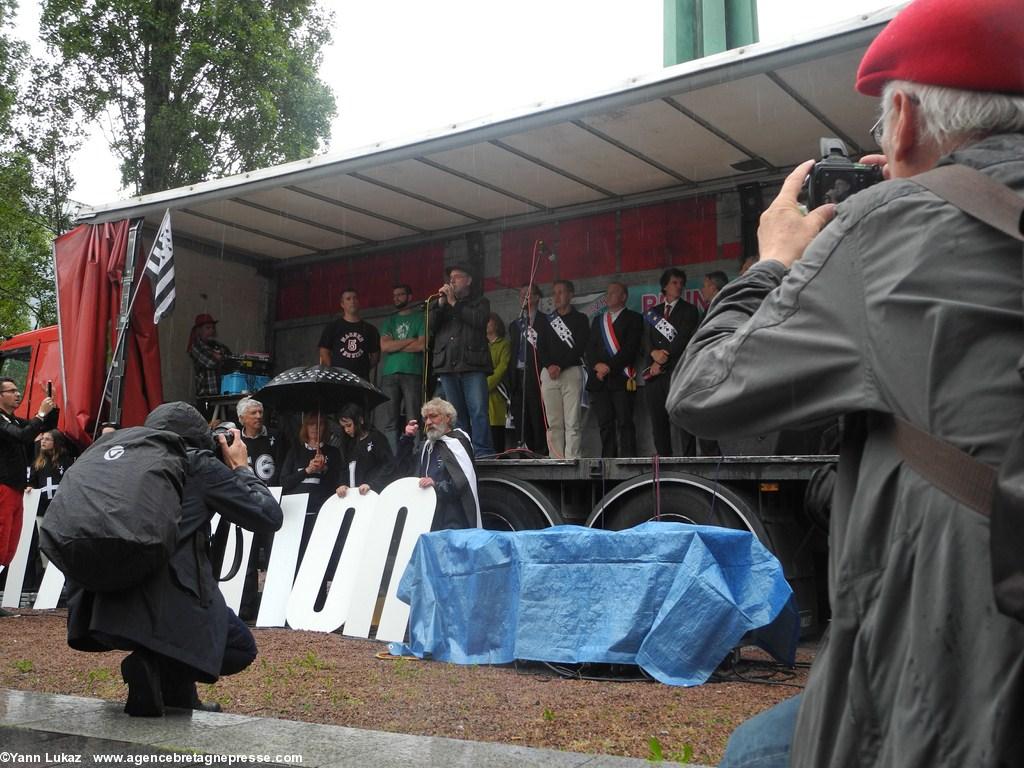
(115, 373)
(165, 271)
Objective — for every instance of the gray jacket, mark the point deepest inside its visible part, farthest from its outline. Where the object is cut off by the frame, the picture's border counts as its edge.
(902, 305)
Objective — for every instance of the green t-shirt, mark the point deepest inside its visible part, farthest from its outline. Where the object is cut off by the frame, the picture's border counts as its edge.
(400, 327)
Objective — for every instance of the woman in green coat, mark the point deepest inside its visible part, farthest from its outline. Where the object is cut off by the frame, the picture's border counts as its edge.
(498, 399)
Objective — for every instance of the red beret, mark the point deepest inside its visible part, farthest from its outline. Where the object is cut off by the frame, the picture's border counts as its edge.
(973, 45)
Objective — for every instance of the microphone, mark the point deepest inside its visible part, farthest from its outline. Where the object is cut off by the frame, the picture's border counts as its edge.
(542, 247)
(437, 295)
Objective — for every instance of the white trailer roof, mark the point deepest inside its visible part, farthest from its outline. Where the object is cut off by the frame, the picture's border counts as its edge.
(744, 115)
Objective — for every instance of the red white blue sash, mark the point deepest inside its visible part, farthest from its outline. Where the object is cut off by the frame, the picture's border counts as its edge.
(612, 344)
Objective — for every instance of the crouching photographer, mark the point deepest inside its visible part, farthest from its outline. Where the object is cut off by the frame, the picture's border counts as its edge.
(904, 316)
(175, 622)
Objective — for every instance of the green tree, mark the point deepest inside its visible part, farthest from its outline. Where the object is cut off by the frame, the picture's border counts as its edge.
(196, 88)
(50, 131)
(26, 279)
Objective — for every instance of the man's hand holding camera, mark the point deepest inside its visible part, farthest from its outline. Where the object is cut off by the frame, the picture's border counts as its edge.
(785, 230)
(233, 451)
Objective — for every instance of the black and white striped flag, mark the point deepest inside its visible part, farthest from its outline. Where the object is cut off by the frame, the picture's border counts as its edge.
(160, 266)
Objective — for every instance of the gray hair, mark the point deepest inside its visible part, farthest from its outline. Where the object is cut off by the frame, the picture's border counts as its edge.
(245, 404)
(951, 117)
(440, 406)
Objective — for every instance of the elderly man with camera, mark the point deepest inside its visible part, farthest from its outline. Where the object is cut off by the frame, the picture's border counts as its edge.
(903, 315)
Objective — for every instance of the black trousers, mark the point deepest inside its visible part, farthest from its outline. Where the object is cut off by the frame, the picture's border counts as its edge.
(259, 556)
(529, 417)
(661, 428)
(240, 649)
(614, 411)
(178, 680)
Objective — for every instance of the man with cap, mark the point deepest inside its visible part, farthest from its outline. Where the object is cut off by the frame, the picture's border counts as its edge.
(902, 307)
(208, 358)
(462, 356)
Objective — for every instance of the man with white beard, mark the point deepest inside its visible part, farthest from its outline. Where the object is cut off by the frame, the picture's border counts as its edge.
(445, 463)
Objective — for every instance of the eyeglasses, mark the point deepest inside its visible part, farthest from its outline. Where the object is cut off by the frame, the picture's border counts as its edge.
(9, 391)
(877, 130)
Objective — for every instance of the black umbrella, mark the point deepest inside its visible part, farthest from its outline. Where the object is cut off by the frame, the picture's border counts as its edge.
(319, 388)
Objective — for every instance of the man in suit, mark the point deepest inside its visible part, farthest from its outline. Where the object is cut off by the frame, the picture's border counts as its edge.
(611, 360)
(670, 325)
(528, 416)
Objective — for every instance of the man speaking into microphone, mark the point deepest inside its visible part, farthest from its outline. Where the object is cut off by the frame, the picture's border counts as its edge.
(462, 360)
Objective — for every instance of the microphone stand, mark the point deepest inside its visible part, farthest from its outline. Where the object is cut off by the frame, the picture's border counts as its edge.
(524, 343)
(528, 363)
(427, 340)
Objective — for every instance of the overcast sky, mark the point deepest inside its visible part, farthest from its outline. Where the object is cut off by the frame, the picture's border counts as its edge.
(404, 68)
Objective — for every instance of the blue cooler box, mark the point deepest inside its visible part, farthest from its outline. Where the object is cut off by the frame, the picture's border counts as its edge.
(255, 383)
(233, 384)
(239, 383)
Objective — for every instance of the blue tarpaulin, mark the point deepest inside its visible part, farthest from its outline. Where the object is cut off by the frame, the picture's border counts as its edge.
(670, 597)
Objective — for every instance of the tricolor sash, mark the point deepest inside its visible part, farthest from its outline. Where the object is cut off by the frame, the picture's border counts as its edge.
(613, 347)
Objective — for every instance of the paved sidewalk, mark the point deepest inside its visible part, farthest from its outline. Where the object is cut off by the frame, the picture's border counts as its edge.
(49, 729)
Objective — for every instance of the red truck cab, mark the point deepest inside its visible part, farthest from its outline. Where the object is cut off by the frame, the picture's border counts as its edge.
(32, 359)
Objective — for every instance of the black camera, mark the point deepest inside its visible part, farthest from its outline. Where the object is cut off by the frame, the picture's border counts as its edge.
(224, 428)
(835, 177)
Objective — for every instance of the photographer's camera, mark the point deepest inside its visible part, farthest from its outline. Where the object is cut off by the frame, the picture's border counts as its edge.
(835, 177)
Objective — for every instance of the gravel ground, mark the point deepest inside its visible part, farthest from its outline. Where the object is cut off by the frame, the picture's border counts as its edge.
(326, 678)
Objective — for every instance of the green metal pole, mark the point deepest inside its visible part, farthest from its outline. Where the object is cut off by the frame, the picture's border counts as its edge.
(697, 28)
(740, 23)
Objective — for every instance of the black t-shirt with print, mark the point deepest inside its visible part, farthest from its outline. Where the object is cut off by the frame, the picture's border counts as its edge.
(351, 345)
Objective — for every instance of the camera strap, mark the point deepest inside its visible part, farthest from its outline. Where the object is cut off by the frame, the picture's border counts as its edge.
(218, 548)
(977, 195)
(996, 493)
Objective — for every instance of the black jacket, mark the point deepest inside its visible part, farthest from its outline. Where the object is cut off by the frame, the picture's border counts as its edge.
(266, 455)
(49, 474)
(459, 336)
(16, 436)
(458, 503)
(517, 338)
(628, 330)
(374, 461)
(295, 480)
(179, 613)
(552, 349)
(684, 318)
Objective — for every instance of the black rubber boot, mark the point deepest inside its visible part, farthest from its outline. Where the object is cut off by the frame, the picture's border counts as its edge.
(142, 675)
(183, 695)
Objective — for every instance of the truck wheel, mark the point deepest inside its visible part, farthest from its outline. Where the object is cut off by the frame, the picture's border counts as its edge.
(684, 499)
(514, 505)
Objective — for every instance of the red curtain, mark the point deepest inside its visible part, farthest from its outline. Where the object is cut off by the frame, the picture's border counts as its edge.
(90, 260)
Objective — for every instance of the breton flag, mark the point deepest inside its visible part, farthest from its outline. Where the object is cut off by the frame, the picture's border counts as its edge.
(160, 266)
